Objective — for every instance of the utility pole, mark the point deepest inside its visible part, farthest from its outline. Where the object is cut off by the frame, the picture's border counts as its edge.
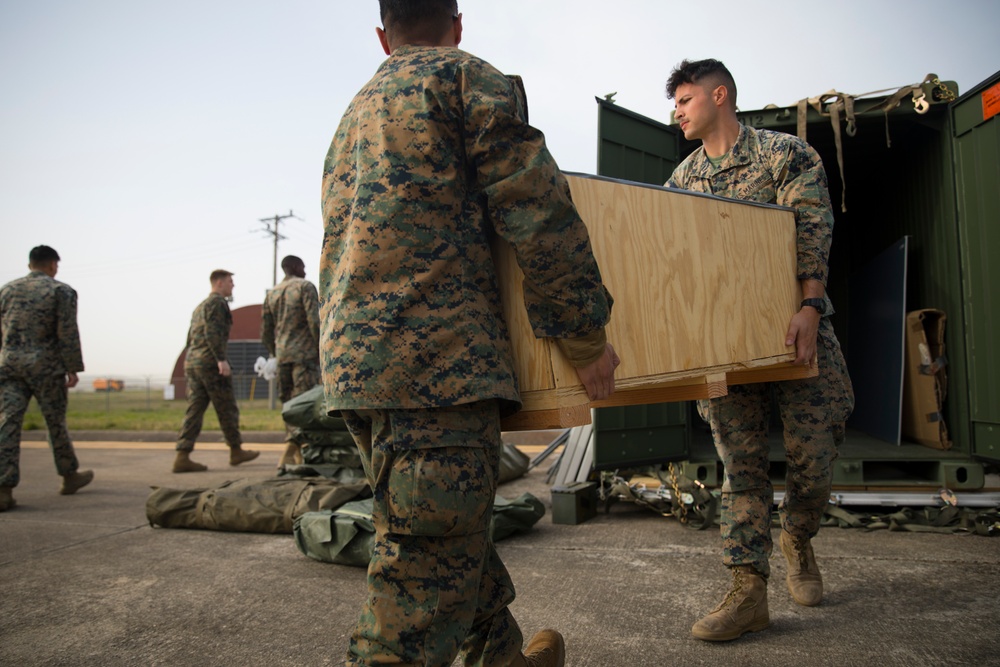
(273, 231)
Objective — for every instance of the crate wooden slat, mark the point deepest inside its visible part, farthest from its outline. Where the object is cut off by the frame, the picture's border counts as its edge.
(704, 288)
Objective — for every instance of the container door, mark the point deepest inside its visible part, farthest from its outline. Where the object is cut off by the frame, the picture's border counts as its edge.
(878, 317)
(633, 147)
(636, 148)
(976, 153)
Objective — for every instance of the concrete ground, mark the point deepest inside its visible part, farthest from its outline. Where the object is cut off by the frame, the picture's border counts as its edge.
(84, 580)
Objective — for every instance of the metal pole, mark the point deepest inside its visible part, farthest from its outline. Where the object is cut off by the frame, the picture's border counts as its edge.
(271, 394)
(274, 272)
(271, 398)
(274, 281)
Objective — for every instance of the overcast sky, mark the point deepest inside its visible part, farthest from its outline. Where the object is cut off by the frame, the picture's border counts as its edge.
(144, 140)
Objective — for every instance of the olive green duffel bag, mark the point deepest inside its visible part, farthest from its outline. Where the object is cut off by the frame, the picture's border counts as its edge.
(346, 536)
(253, 506)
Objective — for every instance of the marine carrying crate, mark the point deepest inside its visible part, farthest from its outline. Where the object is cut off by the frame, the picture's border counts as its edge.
(918, 177)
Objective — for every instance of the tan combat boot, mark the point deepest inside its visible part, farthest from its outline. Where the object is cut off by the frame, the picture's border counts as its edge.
(183, 463)
(75, 481)
(804, 580)
(546, 649)
(238, 455)
(744, 609)
(6, 498)
(292, 455)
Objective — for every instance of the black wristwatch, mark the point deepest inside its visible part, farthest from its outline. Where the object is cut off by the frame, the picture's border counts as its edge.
(818, 304)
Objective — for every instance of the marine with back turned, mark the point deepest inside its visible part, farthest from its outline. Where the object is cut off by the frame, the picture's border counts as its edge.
(40, 356)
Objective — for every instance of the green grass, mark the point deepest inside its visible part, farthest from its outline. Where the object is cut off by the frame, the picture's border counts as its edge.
(137, 411)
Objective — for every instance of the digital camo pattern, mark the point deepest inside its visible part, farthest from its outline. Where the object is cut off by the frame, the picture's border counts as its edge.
(436, 586)
(297, 378)
(50, 392)
(289, 326)
(775, 168)
(208, 337)
(431, 160)
(39, 345)
(206, 385)
(772, 168)
(38, 327)
(813, 412)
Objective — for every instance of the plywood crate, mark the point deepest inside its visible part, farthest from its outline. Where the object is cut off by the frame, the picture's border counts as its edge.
(704, 288)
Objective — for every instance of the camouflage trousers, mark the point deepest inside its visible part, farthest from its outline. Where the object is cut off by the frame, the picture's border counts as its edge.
(437, 588)
(813, 412)
(15, 393)
(295, 378)
(204, 386)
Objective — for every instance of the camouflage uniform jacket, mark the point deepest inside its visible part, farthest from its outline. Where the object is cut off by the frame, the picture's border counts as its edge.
(38, 327)
(772, 168)
(208, 336)
(289, 325)
(432, 159)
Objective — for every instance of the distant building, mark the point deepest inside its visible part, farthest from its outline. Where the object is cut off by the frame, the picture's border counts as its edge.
(244, 348)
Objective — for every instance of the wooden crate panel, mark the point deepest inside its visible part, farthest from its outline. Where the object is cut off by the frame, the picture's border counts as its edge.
(704, 288)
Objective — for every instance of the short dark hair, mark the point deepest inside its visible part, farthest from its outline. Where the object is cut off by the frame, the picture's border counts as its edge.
(710, 70)
(290, 262)
(220, 273)
(43, 254)
(425, 19)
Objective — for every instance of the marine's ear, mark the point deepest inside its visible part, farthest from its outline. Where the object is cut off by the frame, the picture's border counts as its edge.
(383, 40)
